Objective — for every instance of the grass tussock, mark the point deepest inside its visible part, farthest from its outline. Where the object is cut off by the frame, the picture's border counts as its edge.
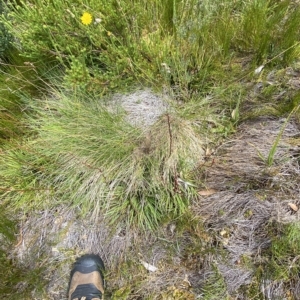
(86, 156)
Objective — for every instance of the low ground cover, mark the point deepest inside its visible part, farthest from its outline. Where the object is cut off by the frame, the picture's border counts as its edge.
(80, 146)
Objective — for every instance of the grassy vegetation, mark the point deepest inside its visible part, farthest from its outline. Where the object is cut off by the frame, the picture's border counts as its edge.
(64, 140)
(284, 253)
(280, 264)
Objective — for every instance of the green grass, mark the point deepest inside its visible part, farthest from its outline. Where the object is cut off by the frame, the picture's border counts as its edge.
(269, 160)
(60, 144)
(279, 263)
(215, 287)
(103, 162)
(186, 44)
(284, 253)
(12, 87)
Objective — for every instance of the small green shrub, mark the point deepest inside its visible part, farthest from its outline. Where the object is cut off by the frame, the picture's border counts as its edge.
(185, 44)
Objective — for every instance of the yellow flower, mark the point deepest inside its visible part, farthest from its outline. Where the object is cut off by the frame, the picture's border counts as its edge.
(86, 18)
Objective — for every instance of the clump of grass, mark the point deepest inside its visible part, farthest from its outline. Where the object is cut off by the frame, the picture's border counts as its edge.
(86, 156)
(269, 28)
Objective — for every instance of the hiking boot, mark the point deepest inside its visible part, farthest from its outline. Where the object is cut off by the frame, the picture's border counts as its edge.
(87, 281)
